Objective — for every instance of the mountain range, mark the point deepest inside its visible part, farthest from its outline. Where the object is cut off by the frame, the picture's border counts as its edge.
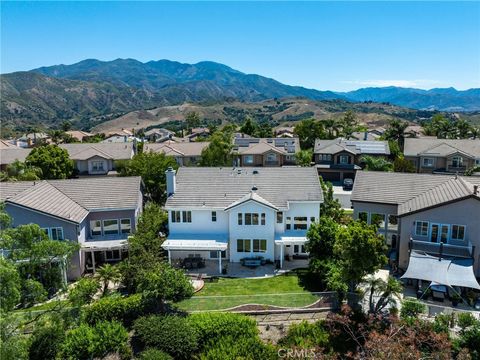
(107, 89)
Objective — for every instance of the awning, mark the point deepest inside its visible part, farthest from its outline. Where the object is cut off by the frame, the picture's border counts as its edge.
(195, 242)
(291, 240)
(449, 272)
(104, 245)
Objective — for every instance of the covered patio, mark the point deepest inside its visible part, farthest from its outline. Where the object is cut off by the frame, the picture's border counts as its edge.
(95, 253)
(289, 240)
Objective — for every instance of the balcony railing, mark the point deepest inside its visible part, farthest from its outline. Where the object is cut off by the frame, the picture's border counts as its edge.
(441, 249)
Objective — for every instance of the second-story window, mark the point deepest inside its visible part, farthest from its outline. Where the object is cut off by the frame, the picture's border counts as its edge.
(187, 216)
(240, 219)
(458, 232)
(262, 219)
(110, 227)
(125, 226)
(421, 228)
(300, 223)
(176, 216)
(96, 227)
(288, 223)
(279, 217)
(325, 157)
(457, 161)
(214, 216)
(344, 159)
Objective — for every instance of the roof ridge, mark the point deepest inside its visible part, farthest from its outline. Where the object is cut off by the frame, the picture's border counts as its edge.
(464, 183)
(176, 150)
(101, 151)
(429, 190)
(83, 207)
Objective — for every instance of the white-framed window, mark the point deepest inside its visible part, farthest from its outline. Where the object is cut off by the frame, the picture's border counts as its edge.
(259, 245)
(421, 228)
(299, 249)
(112, 255)
(95, 227)
(248, 159)
(288, 223)
(56, 233)
(214, 254)
(214, 216)
(300, 223)
(176, 216)
(240, 219)
(279, 217)
(125, 226)
(186, 216)
(271, 157)
(325, 157)
(110, 227)
(262, 219)
(458, 232)
(243, 245)
(428, 162)
(344, 159)
(457, 161)
(98, 165)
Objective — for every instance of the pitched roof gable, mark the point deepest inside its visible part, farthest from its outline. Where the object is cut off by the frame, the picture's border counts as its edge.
(252, 196)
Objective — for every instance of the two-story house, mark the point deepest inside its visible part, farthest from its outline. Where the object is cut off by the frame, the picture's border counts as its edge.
(235, 213)
(185, 153)
(450, 156)
(265, 151)
(438, 215)
(98, 212)
(339, 159)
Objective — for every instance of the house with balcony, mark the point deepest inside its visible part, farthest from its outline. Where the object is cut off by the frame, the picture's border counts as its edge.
(241, 214)
(434, 215)
(185, 153)
(265, 151)
(442, 156)
(339, 159)
(98, 213)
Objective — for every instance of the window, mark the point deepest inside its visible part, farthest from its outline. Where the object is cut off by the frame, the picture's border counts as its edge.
(477, 161)
(421, 228)
(125, 226)
(96, 227)
(427, 162)
(299, 249)
(325, 157)
(97, 166)
(344, 159)
(243, 245)
(112, 255)
(248, 219)
(254, 219)
(248, 159)
(271, 157)
(457, 161)
(240, 218)
(176, 217)
(279, 217)
(56, 233)
(259, 245)
(458, 232)
(300, 223)
(262, 219)
(110, 227)
(363, 216)
(187, 216)
(288, 224)
(214, 216)
(214, 254)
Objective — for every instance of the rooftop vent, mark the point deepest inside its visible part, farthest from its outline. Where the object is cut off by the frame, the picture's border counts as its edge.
(475, 189)
(254, 188)
(239, 171)
(255, 172)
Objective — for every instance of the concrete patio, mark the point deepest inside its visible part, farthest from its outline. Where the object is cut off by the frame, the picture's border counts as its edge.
(237, 270)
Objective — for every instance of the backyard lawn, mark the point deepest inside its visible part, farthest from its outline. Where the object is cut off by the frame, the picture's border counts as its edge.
(279, 290)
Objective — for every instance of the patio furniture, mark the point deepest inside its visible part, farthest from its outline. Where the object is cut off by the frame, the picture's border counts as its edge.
(254, 261)
(193, 263)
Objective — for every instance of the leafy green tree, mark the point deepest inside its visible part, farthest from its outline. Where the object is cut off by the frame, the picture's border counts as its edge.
(330, 207)
(264, 130)
(9, 285)
(219, 151)
(373, 163)
(33, 292)
(400, 164)
(304, 157)
(83, 292)
(332, 127)
(463, 128)
(349, 124)
(249, 127)
(47, 339)
(108, 273)
(21, 172)
(192, 120)
(66, 126)
(154, 354)
(151, 167)
(397, 131)
(53, 161)
(307, 131)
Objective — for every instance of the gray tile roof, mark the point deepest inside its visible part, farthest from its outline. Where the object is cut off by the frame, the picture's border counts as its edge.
(172, 148)
(8, 156)
(441, 147)
(258, 146)
(85, 151)
(73, 199)
(411, 192)
(357, 147)
(220, 187)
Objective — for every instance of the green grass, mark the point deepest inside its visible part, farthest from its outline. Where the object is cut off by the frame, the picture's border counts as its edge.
(279, 290)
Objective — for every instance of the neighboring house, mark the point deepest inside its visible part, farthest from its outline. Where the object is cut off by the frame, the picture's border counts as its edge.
(434, 214)
(121, 139)
(79, 135)
(265, 151)
(158, 135)
(369, 135)
(198, 134)
(98, 158)
(431, 155)
(339, 159)
(32, 139)
(285, 131)
(9, 155)
(238, 213)
(185, 153)
(98, 213)
(8, 144)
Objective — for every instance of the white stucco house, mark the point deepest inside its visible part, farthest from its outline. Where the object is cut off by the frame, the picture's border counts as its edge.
(229, 214)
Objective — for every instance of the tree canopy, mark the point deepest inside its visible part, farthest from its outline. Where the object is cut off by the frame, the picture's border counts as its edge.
(219, 151)
(53, 161)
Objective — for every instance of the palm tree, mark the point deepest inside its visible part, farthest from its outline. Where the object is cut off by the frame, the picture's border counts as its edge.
(397, 131)
(376, 163)
(475, 131)
(332, 127)
(108, 273)
(387, 291)
(464, 128)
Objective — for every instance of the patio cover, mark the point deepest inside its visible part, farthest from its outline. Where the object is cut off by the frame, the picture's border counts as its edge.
(104, 245)
(449, 272)
(291, 240)
(195, 242)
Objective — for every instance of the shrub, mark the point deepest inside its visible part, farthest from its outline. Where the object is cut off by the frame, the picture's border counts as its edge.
(86, 342)
(154, 354)
(306, 335)
(245, 348)
(33, 292)
(84, 291)
(212, 326)
(443, 322)
(412, 308)
(46, 342)
(470, 339)
(123, 309)
(172, 334)
(465, 319)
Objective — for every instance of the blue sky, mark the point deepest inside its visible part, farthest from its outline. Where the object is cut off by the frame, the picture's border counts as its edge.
(322, 45)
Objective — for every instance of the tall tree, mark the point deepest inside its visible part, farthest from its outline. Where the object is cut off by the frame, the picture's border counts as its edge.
(108, 273)
(19, 171)
(249, 127)
(330, 207)
(308, 131)
(397, 131)
(373, 163)
(349, 124)
(193, 120)
(304, 157)
(464, 128)
(53, 161)
(219, 151)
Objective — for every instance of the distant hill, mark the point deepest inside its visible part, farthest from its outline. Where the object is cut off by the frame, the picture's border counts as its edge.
(93, 91)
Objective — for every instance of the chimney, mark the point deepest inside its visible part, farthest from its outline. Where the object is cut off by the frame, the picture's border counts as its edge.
(365, 135)
(171, 181)
(475, 189)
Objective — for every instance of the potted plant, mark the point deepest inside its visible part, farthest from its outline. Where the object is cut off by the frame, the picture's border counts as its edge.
(456, 299)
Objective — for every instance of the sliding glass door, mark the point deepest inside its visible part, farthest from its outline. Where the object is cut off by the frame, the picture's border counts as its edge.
(439, 232)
